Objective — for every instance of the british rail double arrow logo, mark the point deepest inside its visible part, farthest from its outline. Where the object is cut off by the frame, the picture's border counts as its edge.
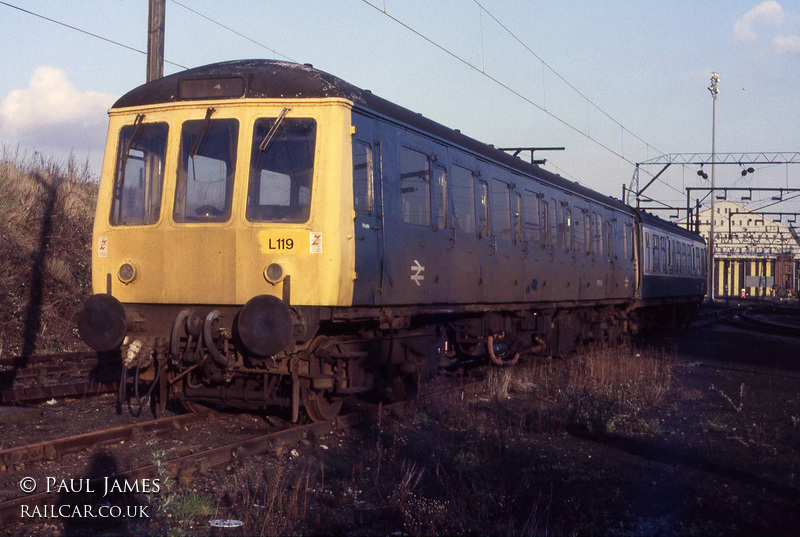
(417, 269)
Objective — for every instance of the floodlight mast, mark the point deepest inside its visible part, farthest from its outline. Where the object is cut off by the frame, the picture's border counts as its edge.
(714, 89)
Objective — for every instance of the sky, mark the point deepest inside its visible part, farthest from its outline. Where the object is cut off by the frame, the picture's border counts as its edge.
(615, 83)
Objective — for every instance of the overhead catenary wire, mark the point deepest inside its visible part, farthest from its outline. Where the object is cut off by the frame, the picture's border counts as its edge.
(262, 45)
(576, 90)
(494, 79)
(518, 93)
(411, 29)
(455, 56)
(564, 80)
(86, 32)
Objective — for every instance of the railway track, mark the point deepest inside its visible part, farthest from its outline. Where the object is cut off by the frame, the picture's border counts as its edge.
(202, 461)
(43, 359)
(48, 376)
(711, 316)
(765, 319)
(53, 449)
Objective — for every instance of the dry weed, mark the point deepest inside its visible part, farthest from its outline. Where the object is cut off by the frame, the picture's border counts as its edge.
(598, 391)
(275, 503)
(45, 250)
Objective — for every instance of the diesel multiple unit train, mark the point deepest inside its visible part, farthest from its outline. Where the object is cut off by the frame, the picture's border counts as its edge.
(269, 235)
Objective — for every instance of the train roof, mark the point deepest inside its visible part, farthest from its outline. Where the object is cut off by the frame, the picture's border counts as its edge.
(655, 221)
(273, 79)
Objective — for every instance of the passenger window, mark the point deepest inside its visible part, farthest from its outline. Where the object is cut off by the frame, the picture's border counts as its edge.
(577, 230)
(140, 174)
(664, 258)
(554, 237)
(587, 231)
(632, 242)
(483, 209)
(440, 197)
(204, 188)
(545, 223)
(600, 247)
(683, 258)
(647, 252)
(462, 186)
(517, 218)
(415, 187)
(656, 255)
(568, 228)
(532, 217)
(625, 242)
(363, 194)
(560, 227)
(671, 250)
(501, 210)
(282, 170)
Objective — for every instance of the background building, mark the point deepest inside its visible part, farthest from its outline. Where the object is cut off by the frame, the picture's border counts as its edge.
(754, 255)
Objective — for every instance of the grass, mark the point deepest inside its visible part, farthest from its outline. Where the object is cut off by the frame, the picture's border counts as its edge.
(45, 251)
(275, 502)
(602, 391)
(457, 467)
(586, 446)
(736, 423)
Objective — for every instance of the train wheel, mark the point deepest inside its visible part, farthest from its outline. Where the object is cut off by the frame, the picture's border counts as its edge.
(320, 408)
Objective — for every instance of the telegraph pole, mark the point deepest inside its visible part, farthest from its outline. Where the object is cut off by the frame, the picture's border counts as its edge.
(155, 39)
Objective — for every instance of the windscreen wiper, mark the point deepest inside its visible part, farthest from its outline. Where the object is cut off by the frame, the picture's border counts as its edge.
(265, 143)
(202, 138)
(134, 140)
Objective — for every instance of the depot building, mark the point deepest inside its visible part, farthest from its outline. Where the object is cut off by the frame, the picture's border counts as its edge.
(754, 256)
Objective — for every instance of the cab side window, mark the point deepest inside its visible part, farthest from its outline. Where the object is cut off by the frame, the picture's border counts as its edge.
(363, 194)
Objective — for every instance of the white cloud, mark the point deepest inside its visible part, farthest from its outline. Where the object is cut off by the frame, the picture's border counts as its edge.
(769, 23)
(790, 43)
(52, 113)
(769, 13)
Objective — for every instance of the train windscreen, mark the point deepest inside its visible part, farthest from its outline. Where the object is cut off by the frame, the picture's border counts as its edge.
(204, 188)
(139, 174)
(281, 170)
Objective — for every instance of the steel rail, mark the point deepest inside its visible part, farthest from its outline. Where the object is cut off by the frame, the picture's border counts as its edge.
(53, 369)
(40, 393)
(747, 319)
(53, 449)
(204, 461)
(17, 361)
